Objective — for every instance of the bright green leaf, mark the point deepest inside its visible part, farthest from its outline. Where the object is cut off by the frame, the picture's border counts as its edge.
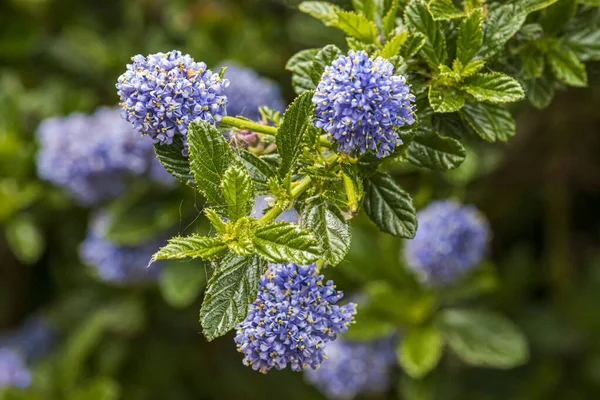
(472, 68)
(420, 351)
(389, 206)
(230, 290)
(470, 37)
(236, 186)
(500, 25)
(430, 150)
(325, 221)
(444, 10)
(321, 10)
(482, 338)
(445, 99)
(25, 239)
(356, 25)
(414, 43)
(282, 242)
(215, 220)
(536, 5)
(393, 46)
(495, 87)
(193, 246)
(365, 7)
(492, 122)
(180, 283)
(289, 135)
(389, 20)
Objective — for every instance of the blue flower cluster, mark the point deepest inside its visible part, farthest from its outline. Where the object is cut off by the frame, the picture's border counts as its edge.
(361, 103)
(248, 91)
(261, 203)
(13, 370)
(354, 368)
(162, 93)
(116, 263)
(293, 317)
(94, 156)
(451, 239)
(33, 339)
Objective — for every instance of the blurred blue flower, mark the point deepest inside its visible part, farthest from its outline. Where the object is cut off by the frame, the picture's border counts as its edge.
(450, 240)
(248, 91)
(115, 263)
(293, 317)
(33, 339)
(162, 93)
(13, 371)
(261, 203)
(361, 103)
(94, 156)
(354, 368)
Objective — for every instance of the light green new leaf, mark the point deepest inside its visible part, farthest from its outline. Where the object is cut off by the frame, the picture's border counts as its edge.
(210, 155)
(495, 87)
(585, 43)
(172, 158)
(325, 221)
(230, 290)
(492, 122)
(393, 46)
(471, 68)
(482, 338)
(389, 20)
(216, 220)
(356, 25)
(418, 17)
(289, 135)
(323, 59)
(445, 99)
(280, 242)
(193, 246)
(321, 10)
(236, 186)
(389, 206)
(365, 7)
(180, 283)
(536, 5)
(500, 25)
(444, 10)
(430, 150)
(470, 37)
(565, 66)
(25, 239)
(420, 351)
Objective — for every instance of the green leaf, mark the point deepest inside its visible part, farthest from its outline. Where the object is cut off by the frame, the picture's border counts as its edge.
(321, 10)
(585, 43)
(210, 155)
(444, 10)
(540, 91)
(393, 46)
(533, 62)
(25, 239)
(500, 25)
(193, 246)
(236, 186)
(356, 25)
(230, 290)
(289, 136)
(420, 351)
(556, 17)
(301, 57)
(536, 5)
(482, 338)
(389, 20)
(445, 99)
(491, 122)
(181, 283)
(472, 68)
(430, 150)
(418, 17)
(389, 206)
(172, 158)
(365, 7)
(494, 87)
(565, 66)
(259, 170)
(301, 65)
(323, 59)
(215, 220)
(414, 43)
(325, 221)
(281, 242)
(470, 37)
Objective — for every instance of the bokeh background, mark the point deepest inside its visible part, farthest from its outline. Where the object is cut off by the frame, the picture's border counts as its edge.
(540, 192)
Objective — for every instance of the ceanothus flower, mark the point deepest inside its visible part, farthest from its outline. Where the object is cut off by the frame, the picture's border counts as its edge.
(451, 239)
(262, 202)
(162, 93)
(248, 91)
(33, 339)
(117, 263)
(94, 156)
(13, 370)
(361, 103)
(293, 317)
(354, 368)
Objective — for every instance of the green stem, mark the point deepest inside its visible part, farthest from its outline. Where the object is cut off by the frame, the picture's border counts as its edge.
(350, 193)
(249, 125)
(298, 189)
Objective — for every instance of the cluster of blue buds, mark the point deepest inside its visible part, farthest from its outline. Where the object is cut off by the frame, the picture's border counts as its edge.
(116, 263)
(94, 156)
(261, 203)
(248, 91)
(361, 104)
(292, 319)
(354, 368)
(451, 240)
(13, 370)
(162, 93)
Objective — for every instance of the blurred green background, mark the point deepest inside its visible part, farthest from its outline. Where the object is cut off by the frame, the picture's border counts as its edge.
(541, 193)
